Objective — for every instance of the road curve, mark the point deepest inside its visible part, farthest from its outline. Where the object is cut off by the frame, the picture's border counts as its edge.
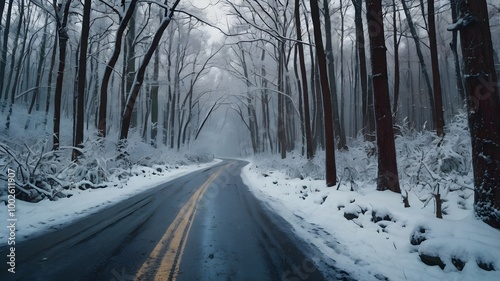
(205, 225)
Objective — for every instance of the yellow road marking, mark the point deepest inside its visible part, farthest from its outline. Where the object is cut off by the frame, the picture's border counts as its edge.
(174, 239)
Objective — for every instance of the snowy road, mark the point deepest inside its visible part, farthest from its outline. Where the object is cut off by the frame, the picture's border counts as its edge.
(206, 225)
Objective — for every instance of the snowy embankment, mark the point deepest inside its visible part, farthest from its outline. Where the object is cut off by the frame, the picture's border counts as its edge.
(34, 219)
(369, 233)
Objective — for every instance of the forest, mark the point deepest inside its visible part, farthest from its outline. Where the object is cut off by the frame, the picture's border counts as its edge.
(91, 78)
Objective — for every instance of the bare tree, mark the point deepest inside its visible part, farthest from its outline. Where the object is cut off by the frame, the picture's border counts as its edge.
(5, 44)
(337, 116)
(483, 102)
(303, 82)
(139, 77)
(387, 166)
(436, 79)
(331, 174)
(421, 60)
(82, 80)
(62, 33)
(367, 112)
(454, 49)
(39, 72)
(103, 104)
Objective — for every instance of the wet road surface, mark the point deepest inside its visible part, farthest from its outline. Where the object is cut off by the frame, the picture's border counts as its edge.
(205, 225)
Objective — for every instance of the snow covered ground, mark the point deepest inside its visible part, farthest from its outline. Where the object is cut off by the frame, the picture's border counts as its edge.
(365, 248)
(369, 233)
(37, 218)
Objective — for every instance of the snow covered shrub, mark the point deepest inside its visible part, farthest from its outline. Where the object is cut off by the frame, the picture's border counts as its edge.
(432, 167)
(46, 174)
(294, 166)
(35, 168)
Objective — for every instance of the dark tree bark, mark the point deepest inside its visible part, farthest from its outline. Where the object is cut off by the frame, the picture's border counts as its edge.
(483, 103)
(436, 79)
(331, 174)
(62, 32)
(387, 165)
(2, 7)
(39, 72)
(317, 119)
(103, 103)
(82, 81)
(281, 104)
(49, 80)
(395, 38)
(367, 115)
(154, 98)
(139, 77)
(5, 44)
(19, 65)
(265, 104)
(130, 67)
(454, 49)
(13, 53)
(301, 106)
(337, 120)
(303, 82)
(252, 115)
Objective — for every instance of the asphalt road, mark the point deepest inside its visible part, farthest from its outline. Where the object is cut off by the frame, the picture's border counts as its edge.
(206, 225)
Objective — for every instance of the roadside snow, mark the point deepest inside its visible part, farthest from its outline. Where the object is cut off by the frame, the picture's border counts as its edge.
(374, 243)
(37, 218)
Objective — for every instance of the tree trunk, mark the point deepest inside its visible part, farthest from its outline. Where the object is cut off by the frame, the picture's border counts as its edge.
(453, 46)
(103, 103)
(303, 81)
(82, 81)
(337, 124)
(139, 77)
(130, 68)
(252, 116)
(331, 175)
(420, 59)
(19, 64)
(367, 115)
(436, 79)
(281, 104)
(39, 72)
(13, 55)
(483, 103)
(301, 106)
(265, 104)
(154, 99)
(395, 13)
(387, 166)
(5, 44)
(63, 39)
(49, 80)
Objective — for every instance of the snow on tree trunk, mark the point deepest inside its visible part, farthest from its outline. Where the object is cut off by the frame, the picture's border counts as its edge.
(483, 104)
(387, 165)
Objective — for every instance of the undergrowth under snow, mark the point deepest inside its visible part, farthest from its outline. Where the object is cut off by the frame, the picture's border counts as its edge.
(369, 233)
(45, 174)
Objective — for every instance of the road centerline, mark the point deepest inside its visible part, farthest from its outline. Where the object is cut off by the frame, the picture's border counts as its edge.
(173, 242)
